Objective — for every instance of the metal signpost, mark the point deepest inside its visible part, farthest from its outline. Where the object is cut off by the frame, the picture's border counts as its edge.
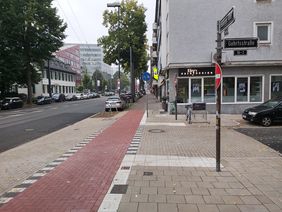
(222, 26)
(146, 77)
(240, 46)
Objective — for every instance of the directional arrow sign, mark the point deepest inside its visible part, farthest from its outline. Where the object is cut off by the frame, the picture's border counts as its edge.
(227, 20)
(146, 76)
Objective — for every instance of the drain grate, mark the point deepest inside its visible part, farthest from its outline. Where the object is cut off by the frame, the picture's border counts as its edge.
(119, 189)
(148, 174)
(156, 131)
(125, 168)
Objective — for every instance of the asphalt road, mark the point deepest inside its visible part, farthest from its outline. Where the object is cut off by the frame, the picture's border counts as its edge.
(23, 125)
(270, 136)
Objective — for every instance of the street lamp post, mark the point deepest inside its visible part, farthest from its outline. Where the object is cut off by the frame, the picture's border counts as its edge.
(117, 4)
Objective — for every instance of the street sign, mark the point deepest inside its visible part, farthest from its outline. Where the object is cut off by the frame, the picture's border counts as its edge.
(218, 75)
(155, 72)
(227, 20)
(240, 52)
(241, 43)
(146, 76)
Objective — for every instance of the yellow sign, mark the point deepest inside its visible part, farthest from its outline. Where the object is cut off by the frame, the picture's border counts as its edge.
(155, 72)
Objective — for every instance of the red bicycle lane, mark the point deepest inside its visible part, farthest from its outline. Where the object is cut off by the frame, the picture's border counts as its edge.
(81, 182)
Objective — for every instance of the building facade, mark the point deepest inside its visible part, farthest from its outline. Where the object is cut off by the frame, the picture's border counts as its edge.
(184, 47)
(91, 57)
(70, 54)
(63, 78)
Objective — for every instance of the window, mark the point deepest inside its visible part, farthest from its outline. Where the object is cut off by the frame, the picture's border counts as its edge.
(242, 89)
(263, 32)
(196, 90)
(276, 86)
(209, 90)
(255, 89)
(228, 94)
(183, 90)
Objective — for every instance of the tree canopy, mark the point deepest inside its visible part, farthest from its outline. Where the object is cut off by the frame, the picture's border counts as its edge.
(30, 31)
(126, 30)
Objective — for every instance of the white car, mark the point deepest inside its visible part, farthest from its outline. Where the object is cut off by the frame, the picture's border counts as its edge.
(114, 103)
(79, 96)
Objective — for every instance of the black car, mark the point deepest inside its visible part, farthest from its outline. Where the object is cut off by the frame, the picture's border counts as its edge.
(11, 103)
(266, 113)
(58, 97)
(42, 100)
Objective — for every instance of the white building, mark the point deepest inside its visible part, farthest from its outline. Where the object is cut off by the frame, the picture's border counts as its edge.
(184, 39)
(91, 57)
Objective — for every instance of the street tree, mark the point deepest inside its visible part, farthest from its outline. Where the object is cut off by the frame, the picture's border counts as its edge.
(124, 80)
(99, 80)
(86, 81)
(38, 31)
(124, 31)
(10, 59)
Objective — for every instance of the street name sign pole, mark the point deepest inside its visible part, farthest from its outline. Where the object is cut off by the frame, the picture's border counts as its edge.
(222, 26)
(146, 77)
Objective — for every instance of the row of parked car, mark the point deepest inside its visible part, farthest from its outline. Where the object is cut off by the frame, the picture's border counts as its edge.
(17, 102)
(59, 97)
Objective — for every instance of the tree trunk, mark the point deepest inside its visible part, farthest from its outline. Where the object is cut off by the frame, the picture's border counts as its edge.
(29, 84)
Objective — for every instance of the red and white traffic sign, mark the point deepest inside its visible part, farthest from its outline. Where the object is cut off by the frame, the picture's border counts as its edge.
(218, 75)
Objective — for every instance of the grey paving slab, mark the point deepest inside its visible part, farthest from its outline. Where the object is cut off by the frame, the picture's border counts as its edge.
(167, 207)
(145, 207)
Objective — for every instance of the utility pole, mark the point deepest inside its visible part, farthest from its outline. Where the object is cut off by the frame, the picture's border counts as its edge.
(49, 79)
(117, 4)
(132, 76)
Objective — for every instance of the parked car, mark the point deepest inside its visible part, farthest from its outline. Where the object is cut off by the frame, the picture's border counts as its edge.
(96, 95)
(71, 97)
(266, 113)
(79, 96)
(114, 103)
(41, 100)
(58, 97)
(11, 103)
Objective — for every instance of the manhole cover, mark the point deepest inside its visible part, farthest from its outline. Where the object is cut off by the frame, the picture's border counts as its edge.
(156, 131)
(148, 174)
(125, 168)
(119, 189)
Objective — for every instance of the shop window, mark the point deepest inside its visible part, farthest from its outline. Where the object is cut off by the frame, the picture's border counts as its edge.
(276, 86)
(209, 90)
(255, 89)
(242, 89)
(228, 94)
(183, 90)
(196, 90)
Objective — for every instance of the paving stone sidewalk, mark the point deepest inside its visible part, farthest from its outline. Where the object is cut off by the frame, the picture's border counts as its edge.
(174, 168)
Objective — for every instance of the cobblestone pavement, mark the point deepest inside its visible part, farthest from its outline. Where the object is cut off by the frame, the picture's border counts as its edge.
(173, 177)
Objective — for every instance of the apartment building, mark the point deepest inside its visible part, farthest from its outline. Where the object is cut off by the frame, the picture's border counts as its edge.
(184, 42)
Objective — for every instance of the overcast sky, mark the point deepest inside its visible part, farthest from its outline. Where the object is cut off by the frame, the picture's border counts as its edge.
(85, 17)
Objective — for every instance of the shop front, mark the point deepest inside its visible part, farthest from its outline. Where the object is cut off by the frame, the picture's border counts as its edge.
(241, 87)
